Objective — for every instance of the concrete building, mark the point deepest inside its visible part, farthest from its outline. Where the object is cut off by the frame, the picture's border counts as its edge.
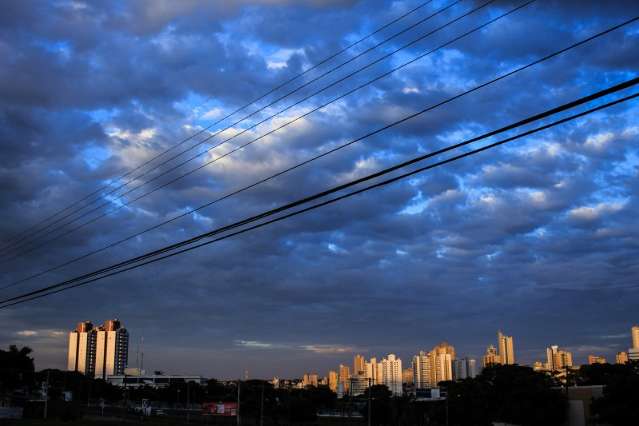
(422, 371)
(358, 385)
(333, 380)
(112, 349)
(152, 380)
(464, 368)
(407, 376)
(311, 379)
(344, 378)
(596, 359)
(635, 336)
(392, 374)
(81, 353)
(359, 366)
(557, 359)
(443, 356)
(621, 357)
(491, 357)
(371, 370)
(506, 349)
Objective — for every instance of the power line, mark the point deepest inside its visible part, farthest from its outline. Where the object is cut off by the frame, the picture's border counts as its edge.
(60, 287)
(116, 268)
(379, 130)
(274, 89)
(275, 129)
(219, 132)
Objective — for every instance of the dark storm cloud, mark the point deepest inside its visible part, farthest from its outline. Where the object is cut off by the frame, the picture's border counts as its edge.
(539, 232)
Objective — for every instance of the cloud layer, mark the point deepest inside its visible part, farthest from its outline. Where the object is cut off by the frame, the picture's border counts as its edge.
(538, 238)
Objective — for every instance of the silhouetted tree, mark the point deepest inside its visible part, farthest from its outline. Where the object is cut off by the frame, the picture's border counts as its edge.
(16, 368)
(620, 403)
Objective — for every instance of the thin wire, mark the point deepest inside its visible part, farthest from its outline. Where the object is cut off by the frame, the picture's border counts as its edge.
(323, 61)
(326, 202)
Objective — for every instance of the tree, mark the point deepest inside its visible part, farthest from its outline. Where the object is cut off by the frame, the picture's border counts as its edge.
(506, 393)
(620, 403)
(16, 368)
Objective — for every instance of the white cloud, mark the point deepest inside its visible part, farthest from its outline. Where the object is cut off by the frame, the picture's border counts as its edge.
(590, 213)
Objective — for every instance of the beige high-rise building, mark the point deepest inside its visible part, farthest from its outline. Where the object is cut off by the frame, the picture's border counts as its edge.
(359, 366)
(557, 359)
(392, 374)
(491, 357)
(506, 349)
(635, 337)
(371, 370)
(311, 379)
(112, 349)
(81, 354)
(621, 357)
(443, 356)
(595, 359)
(422, 370)
(433, 367)
(344, 378)
(332, 380)
(407, 376)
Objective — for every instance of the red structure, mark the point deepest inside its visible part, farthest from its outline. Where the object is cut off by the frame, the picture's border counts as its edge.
(220, 408)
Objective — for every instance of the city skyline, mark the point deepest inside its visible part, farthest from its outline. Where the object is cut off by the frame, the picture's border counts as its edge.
(535, 237)
(370, 364)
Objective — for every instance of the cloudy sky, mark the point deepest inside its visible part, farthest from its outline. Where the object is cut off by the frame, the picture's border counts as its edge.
(538, 238)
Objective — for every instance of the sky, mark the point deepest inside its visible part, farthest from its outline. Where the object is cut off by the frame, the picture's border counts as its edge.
(537, 238)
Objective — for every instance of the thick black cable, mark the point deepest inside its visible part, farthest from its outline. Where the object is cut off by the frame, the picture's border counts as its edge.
(338, 188)
(274, 89)
(115, 209)
(157, 166)
(478, 87)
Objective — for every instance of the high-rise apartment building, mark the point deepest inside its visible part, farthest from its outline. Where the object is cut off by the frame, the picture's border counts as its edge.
(407, 376)
(112, 349)
(621, 357)
(311, 379)
(359, 366)
(392, 374)
(332, 380)
(633, 352)
(557, 359)
(433, 367)
(491, 357)
(373, 371)
(98, 352)
(422, 370)
(344, 378)
(81, 355)
(464, 368)
(595, 359)
(506, 349)
(443, 356)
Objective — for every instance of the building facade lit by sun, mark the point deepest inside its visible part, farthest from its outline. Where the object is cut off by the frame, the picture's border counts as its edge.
(98, 352)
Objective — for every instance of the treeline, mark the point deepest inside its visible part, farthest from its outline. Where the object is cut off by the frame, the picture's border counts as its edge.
(510, 394)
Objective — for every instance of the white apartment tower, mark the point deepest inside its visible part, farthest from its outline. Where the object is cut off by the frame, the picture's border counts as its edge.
(392, 374)
(112, 349)
(81, 356)
(422, 370)
(98, 352)
(506, 349)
